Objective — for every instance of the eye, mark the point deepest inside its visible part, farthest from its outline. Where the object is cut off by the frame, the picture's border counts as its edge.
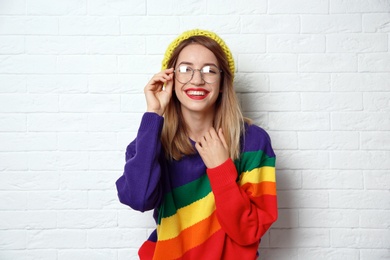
(209, 69)
(184, 69)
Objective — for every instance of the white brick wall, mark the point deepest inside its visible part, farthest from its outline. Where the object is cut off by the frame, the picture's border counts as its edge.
(315, 74)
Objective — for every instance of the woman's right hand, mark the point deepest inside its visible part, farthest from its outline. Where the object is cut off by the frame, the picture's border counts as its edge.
(158, 91)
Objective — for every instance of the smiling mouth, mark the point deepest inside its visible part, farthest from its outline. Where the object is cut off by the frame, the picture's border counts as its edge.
(196, 93)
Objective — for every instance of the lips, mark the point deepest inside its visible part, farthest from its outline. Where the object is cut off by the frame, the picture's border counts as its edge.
(197, 93)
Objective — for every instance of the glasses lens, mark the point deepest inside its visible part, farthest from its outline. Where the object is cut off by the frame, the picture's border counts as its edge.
(209, 74)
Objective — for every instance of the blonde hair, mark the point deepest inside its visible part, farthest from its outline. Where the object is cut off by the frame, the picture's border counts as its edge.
(228, 115)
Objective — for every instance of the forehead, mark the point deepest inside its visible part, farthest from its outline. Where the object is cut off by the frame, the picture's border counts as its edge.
(197, 54)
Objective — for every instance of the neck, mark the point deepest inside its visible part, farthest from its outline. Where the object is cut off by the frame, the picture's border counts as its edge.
(198, 123)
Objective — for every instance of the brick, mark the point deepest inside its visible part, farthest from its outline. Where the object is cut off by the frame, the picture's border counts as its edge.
(29, 180)
(284, 139)
(88, 180)
(243, 43)
(118, 84)
(114, 8)
(57, 122)
(13, 200)
(288, 179)
(15, 161)
(223, 24)
(116, 238)
(299, 121)
(106, 200)
(56, 7)
(57, 200)
(278, 253)
(324, 140)
(379, 219)
(133, 103)
(298, 7)
(28, 220)
(175, 8)
(43, 161)
(88, 25)
(314, 159)
(332, 101)
(127, 122)
(270, 24)
(28, 64)
(56, 45)
(287, 218)
(270, 102)
(359, 6)
(361, 238)
(358, 199)
(96, 254)
(73, 160)
(67, 84)
(129, 218)
(41, 239)
(377, 180)
(368, 254)
(300, 82)
(28, 103)
(15, 239)
(331, 179)
(11, 45)
(12, 122)
(28, 25)
(375, 140)
(295, 43)
(377, 22)
(374, 62)
(328, 253)
(13, 84)
(41, 254)
(86, 219)
(360, 160)
(303, 199)
(89, 103)
(155, 25)
(13, 7)
(251, 82)
(328, 218)
(110, 160)
(308, 237)
(356, 43)
(360, 121)
(376, 101)
(267, 63)
(327, 63)
(115, 45)
(361, 82)
(87, 64)
(140, 64)
(83, 141)
(334, 23)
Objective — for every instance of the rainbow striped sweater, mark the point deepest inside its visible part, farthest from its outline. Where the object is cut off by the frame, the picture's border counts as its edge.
(200, 213)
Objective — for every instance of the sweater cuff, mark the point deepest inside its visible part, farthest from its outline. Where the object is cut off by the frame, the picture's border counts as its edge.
(151, 121)
(222, 175)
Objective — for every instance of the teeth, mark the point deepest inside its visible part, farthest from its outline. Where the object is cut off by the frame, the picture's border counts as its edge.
(196, 93)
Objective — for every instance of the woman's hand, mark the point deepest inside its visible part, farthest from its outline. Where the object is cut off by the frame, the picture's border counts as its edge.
(158, 91)
(213, 148)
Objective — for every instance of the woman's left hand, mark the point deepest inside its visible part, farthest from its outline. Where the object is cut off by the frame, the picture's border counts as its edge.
(213, 148)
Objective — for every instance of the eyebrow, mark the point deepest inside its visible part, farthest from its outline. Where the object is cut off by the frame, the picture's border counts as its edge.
(191, 64)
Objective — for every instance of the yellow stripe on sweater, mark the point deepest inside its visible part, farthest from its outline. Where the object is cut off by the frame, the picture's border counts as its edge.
(185, 217)
(257, 175)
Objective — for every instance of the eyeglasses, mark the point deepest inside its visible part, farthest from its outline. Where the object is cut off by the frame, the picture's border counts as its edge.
(209, 74)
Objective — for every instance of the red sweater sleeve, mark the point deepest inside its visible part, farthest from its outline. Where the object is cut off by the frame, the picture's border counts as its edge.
(247, 208)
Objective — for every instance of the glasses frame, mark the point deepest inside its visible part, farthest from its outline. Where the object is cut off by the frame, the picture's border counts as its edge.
(193, 73)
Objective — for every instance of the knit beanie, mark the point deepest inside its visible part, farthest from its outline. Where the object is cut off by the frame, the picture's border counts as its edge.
(198, 32)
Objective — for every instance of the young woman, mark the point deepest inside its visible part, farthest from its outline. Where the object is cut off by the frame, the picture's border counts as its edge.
(208, 174)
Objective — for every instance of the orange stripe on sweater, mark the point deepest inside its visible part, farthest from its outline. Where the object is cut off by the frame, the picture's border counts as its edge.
(189, 238)
(259, 189)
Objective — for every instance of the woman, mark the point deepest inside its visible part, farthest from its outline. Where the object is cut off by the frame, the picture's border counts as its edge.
(208, 174)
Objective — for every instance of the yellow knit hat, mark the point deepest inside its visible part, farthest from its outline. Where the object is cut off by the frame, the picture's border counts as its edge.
(196, 32)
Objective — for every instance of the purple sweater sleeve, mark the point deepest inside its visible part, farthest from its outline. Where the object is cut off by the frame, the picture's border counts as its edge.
(139, 186)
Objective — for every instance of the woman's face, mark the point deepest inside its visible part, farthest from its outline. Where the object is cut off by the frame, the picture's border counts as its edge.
(197, 95)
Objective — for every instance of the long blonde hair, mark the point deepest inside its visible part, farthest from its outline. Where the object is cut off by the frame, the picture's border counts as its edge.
(228, 115)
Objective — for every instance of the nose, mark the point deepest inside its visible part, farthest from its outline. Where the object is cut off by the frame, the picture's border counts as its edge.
(197, 78)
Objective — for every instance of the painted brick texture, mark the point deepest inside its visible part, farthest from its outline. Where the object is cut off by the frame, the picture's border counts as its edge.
(315, 74)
